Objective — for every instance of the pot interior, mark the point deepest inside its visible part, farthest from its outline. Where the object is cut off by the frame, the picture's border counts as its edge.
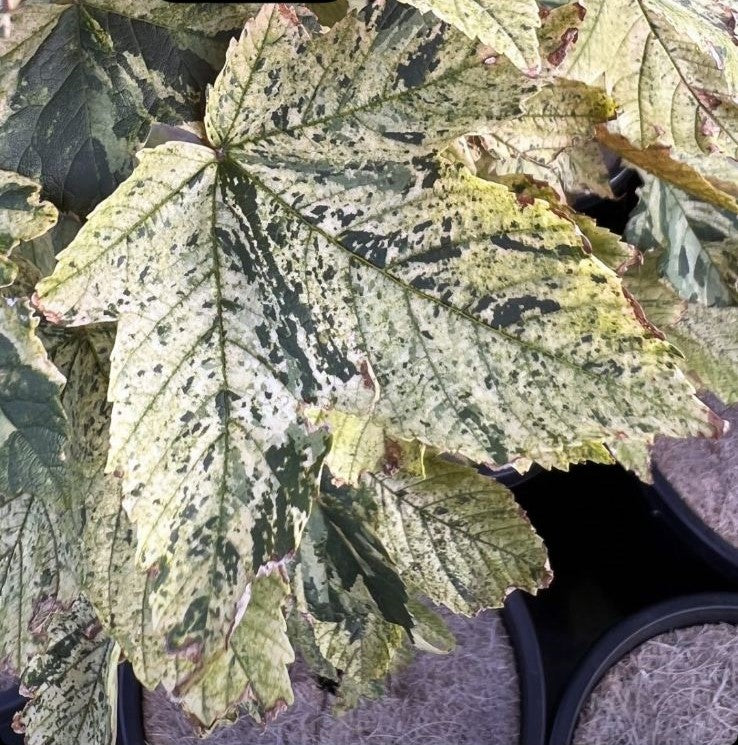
(678, 688)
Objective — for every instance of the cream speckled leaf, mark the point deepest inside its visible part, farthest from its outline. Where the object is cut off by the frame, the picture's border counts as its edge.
(33, 578)
(214, 463)
(507, 27)
(552, 140)
(709, 339)
(73, 684)
(605, 245)
(80, 83)
(456, 536)
(117, 588)
(671, 66)
(324, 255)
(254, 666)
(113, 583)
(700, 242)
(23, 216)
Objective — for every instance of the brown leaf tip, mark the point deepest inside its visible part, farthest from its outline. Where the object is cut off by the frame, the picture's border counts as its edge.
(641, 316)
(568, 39)
(49, 315)
(18, 725)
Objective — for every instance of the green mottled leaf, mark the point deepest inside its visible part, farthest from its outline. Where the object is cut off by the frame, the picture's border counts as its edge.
(357, 445)
(33, 578)
(36, 259)
(700, 242)
(456, 536)
(73, 684)
(81, 82)
(351, 605)
(708, 336)
(508, 27)
(254, 666)
(709, 339)
(430, 632)
(23, 216)
(363, 646)
(342, 549)
(323, 254)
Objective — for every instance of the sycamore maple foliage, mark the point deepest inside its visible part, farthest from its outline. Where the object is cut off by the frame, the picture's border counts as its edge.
(242, 409)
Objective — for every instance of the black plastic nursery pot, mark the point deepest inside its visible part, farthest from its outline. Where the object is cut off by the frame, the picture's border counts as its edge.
(691, 528)
(612, 555)
(530, 669)
(130, 708)
(10, 702)
(624, 637)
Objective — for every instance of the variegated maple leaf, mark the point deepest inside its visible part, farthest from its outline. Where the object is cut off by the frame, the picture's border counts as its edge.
(34, 550)
(686, 282)
(699, 242)
(73, 683)
(507, 28)
(316, 250)
(672, 68)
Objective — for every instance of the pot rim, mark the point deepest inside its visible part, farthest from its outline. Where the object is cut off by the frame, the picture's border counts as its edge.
(624, 637)
(531, 678)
